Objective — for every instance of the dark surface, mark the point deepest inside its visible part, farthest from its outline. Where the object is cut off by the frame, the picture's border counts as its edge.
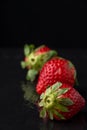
(14, 113)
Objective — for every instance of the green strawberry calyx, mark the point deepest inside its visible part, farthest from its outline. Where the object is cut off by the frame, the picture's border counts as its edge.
(35, 61)
(31, 74)
(28, 49)
(52, 102)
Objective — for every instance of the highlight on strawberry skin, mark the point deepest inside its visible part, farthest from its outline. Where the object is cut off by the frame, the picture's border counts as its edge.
(61, 102)
(34, 59)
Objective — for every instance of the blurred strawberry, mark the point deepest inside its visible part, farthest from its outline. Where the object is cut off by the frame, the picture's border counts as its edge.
(35, 59)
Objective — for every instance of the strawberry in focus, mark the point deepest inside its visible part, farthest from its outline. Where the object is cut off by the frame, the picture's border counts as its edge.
(61, 102)
(35, 59)
(56, 69)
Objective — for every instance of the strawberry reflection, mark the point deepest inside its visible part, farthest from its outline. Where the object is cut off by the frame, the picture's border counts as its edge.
(29, 91)
(76, 123)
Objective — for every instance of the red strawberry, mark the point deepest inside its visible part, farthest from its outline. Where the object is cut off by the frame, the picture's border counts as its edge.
(60, 102)
(56, 69)
(35, 59)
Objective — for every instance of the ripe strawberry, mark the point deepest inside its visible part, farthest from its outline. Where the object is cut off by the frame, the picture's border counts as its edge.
(60, 102)
(56, 69)
(35, 59)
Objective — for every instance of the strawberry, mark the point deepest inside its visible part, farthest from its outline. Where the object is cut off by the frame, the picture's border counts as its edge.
(35, 59)
(61, 102)
(56, 69)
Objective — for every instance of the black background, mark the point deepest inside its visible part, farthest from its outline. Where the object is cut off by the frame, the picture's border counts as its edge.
(62, 24)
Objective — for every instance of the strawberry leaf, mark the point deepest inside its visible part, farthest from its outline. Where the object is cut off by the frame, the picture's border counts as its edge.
(56, 86)
(31, 47)
(62, 91)
(58, 114)
(65, 101)
(41, 96)
(31, 74)
(41, 103)
(49, 55)
(50, 113)
(43, 113)
(23, 64)
(26, 50)
(61, 107)
(48, 91)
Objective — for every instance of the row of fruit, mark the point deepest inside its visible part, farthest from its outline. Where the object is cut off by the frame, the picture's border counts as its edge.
(55, 80)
